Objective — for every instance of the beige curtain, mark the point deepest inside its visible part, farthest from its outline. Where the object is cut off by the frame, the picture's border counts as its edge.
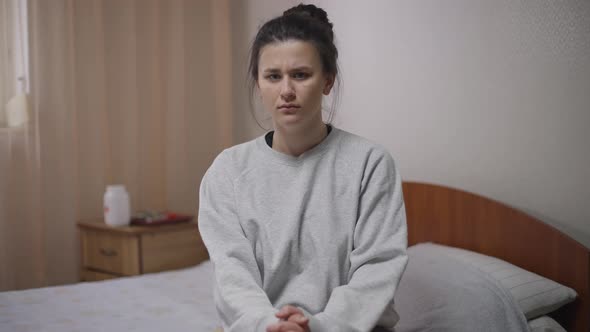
(134, 92)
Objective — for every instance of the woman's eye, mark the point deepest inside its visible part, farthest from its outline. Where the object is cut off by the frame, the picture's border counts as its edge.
(300, 76)
(273, 77)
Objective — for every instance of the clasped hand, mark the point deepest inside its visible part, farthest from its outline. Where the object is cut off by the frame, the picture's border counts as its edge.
(292, 319)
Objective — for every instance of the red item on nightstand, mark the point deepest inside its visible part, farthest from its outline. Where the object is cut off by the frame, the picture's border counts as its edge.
(170, 218)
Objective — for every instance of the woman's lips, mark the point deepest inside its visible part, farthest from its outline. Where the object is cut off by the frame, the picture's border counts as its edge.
(288, 109)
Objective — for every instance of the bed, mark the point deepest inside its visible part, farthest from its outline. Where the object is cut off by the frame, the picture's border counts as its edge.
(440, 220)
(465, 220)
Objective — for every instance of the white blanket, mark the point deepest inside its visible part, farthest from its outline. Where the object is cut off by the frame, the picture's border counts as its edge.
(180, 300)
(432, 296)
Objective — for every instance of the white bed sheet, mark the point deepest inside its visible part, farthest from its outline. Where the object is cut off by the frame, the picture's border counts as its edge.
(180, 300)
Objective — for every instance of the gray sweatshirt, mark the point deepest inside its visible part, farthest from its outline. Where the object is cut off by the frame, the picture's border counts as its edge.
(324, 231)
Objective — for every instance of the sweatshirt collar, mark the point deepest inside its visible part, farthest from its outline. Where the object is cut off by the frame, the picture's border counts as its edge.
(283, 158)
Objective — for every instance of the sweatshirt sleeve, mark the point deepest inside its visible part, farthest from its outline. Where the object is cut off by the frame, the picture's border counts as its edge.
(378, 258)
(241, 302)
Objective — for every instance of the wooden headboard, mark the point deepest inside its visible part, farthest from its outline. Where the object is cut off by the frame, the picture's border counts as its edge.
(460, 219)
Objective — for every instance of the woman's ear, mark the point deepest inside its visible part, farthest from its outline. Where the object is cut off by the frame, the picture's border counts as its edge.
(329, 84)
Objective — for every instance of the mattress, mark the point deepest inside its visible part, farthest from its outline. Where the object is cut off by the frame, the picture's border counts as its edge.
(179, 300)
(434, 294)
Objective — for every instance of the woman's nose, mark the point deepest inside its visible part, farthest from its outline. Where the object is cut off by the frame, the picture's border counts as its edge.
(287, 90)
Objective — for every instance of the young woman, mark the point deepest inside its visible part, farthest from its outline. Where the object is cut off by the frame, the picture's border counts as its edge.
(306, 224)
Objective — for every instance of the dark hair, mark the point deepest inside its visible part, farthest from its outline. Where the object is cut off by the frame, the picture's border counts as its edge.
(302, 22)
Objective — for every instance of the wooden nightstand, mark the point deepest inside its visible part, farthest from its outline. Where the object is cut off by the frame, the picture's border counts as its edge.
(111, 252)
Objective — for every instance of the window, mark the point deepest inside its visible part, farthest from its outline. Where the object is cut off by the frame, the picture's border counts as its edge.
(14, 54)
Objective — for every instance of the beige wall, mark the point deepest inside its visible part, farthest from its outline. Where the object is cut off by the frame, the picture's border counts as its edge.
(487, 96)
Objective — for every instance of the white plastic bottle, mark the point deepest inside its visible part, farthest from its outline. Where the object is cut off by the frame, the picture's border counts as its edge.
(117, 210)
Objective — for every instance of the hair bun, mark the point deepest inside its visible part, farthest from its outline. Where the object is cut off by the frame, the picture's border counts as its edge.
(311, 11)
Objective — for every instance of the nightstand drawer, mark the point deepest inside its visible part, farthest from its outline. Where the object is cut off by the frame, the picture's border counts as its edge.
(171, 250)
(110, 253)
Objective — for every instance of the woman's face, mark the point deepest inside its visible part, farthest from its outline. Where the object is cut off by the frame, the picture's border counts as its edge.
(291, 83)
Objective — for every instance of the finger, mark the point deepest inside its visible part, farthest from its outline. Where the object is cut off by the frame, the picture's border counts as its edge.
(284, 326)
(290, 327)
(276, 327)
(287, 311)
(299, 319)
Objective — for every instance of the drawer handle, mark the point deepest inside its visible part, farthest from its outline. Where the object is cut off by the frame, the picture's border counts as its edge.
(108, 252)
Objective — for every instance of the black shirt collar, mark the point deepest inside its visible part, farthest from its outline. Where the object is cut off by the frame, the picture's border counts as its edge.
(268, 137)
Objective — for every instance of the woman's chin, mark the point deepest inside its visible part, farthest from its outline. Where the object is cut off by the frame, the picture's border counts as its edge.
(291, 124)
(290, 119)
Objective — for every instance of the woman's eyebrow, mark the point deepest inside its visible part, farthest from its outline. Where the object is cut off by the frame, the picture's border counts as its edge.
(301, 68)
(271, 70)
(275, 70)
